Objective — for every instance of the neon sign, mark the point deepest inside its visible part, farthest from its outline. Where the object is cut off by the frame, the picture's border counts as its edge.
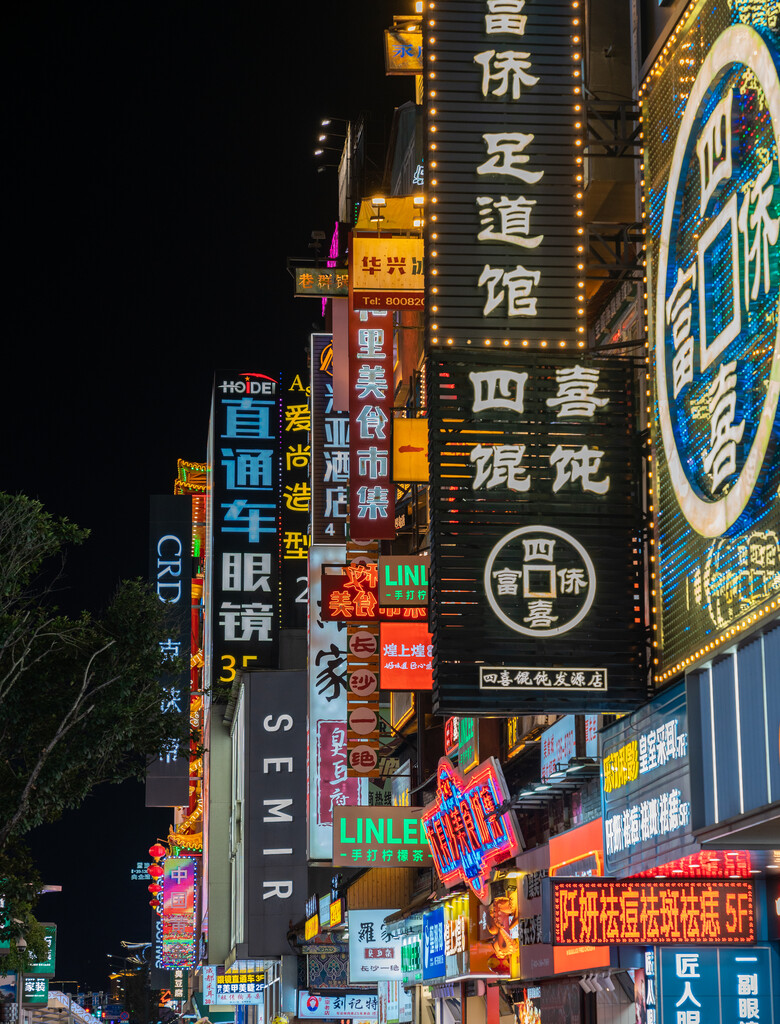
(178, 917)
(599, 913)
(467, 834)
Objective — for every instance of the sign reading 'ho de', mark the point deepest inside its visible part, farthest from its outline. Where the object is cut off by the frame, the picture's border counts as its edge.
(546, 615)
(713, 209)
(504, 253)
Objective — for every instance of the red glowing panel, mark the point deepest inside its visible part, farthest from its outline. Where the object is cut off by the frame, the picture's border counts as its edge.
(351, 596)
(701, 913)
(468, 838)
(406, 656)
(705, 864)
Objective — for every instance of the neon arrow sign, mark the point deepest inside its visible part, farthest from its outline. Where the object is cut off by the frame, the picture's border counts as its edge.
(467, 838)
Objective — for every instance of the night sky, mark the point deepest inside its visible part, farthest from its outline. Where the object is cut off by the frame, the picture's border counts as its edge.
(158, 171)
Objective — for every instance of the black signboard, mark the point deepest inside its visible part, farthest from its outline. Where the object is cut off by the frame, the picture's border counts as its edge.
(504, 115)
(537, 559)
(275, 816)
(170, 572)
(330, 450)
(244, 577)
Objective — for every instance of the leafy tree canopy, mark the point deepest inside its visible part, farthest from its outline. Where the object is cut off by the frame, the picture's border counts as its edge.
(80, 696)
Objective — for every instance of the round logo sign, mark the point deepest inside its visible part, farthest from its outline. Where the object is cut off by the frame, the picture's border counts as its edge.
(363, 758)
(540, 581)
(363, 682)
(717, 330)
(362, 721)
(363, 644)
(312, 1003)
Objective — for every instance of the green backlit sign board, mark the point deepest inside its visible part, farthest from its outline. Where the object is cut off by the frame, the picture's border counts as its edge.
(378, 837)
(403, 580)
(36, 990)
(47, 966)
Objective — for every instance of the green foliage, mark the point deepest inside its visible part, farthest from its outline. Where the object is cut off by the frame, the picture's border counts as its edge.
(80, 697)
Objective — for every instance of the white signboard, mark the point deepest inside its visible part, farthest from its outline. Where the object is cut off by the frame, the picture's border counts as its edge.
(373, 955)
(354, 1007)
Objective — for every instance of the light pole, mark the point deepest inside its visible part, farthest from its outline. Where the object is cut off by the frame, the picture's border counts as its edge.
(21, 946)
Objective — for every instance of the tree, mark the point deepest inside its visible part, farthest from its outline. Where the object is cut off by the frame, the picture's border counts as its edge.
(80, 697)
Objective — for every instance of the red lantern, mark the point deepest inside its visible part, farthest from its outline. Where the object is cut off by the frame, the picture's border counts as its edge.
(157, 851)
(155, 871)
(154, 888)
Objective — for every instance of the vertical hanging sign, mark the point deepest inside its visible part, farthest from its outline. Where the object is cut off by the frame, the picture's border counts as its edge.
(330, 450)
(245, 522)
(296, 498)
(504, 246)
(372, 494)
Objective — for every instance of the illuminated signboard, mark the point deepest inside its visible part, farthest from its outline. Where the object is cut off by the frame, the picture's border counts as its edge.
(379, 837)
(329, 785)
(559, 743)
(597, 913)
(433, 965)
(331, 1007)
(713, 211)
(403, 51)
(47, 965)
(406, 656)
(316, 282)
(646, 786)
(504, 256)
(468, 838)
(296, 497)
(545, 616)
(387, 272)
(403, 579)
(179, 939)
(410, 450)
(244, 569)
(350, 594)
(371, 487)
(330, 449)
(715, 985)
(236, 987)
(170, 570)
(35, 990)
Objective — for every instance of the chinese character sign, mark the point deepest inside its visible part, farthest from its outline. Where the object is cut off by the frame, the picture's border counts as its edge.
(244, 569)
(373, 954)
(537, 590)
(646, 786)
(559, 743)
(699, 986)
(434, 960)
(406, 656)
(467, 833)
(178, 917)
(503, 108)
(600, 913)
(170, 571)
(713, 209)
(371, 385)
(379, 837)
(387, 272)
(330, 449)
(295, 497)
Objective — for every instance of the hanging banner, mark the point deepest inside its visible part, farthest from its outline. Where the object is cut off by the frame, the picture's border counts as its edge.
(330, 450)
(296, 497)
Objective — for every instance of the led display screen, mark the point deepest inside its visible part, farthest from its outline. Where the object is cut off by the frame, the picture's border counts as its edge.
(711, 110)
(598, 913)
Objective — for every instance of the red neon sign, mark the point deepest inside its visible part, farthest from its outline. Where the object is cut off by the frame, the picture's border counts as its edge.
(468, 839)
(691, 912)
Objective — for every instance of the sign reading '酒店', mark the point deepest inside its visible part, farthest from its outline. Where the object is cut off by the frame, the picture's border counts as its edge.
(536, 559)
(713, 213)
(503, 103)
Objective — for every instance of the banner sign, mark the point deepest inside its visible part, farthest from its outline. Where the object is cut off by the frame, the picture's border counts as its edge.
(433, 944)
(373, 954)
(379, 837)
(348, 1006)
(504, 256)
(713, 215)
(330, 450)
(170, 570)
(403, 579)
(296, 497)
(329, 785)
(407, 652)
(559, 743)
(403, 52)
(598, 912)
(646, 787)
(35, 991)
(546, 616)
(47, 965)
(468, 838)
(245, 523)
(387, 272)
(371, 487)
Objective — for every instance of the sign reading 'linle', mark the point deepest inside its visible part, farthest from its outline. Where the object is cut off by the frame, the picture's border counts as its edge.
(504, 245)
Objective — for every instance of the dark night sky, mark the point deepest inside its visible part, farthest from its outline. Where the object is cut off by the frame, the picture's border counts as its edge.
(158, 170)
